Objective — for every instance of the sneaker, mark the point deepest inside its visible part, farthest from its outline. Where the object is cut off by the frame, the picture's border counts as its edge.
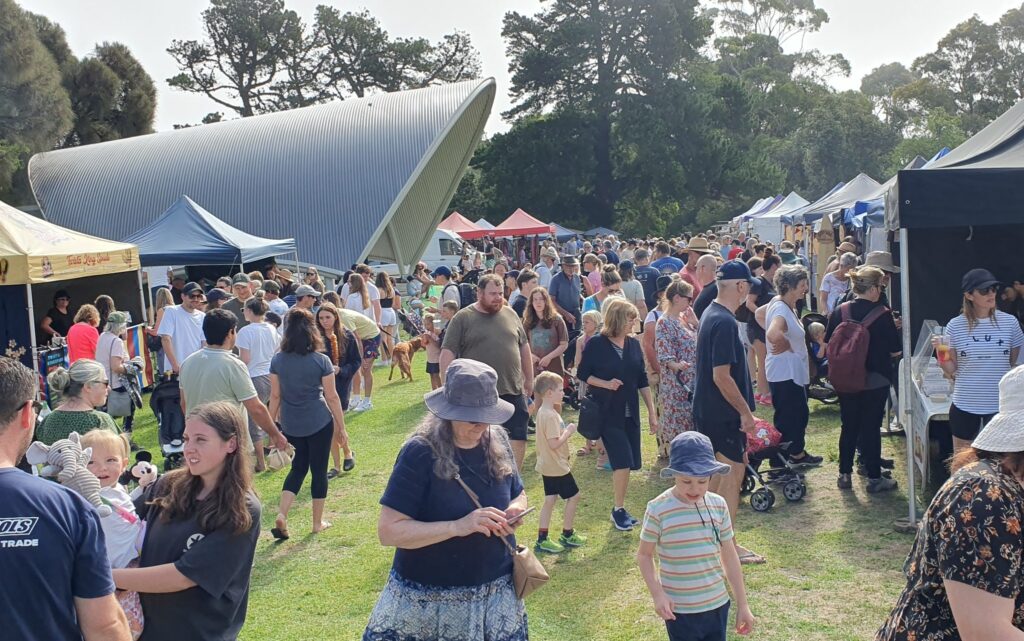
(366, 406)
(549, 546)
(863, 471)
(574, 541)
(622, 520)
(355, 404)
(887, 463)
(765, 400)
(881, 485)
(807, 460)
(631, 518)
(845, 482)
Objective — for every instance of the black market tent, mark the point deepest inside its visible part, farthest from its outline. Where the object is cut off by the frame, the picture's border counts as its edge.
(187, 234)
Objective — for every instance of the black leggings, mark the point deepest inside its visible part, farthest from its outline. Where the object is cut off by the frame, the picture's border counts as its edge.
(862, 415)
(791, 413)
(311, 455)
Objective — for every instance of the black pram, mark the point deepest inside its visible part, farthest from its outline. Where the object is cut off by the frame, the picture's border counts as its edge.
(165, 402)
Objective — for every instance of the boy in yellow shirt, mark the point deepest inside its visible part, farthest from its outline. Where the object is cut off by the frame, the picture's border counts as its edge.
(553, 465)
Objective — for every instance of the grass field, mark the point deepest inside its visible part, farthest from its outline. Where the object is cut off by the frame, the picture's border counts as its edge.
(833, 571)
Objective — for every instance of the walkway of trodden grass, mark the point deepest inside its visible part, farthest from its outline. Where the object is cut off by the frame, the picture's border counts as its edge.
(833, 571)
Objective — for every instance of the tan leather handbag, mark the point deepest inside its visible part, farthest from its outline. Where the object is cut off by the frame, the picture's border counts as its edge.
(528, 573)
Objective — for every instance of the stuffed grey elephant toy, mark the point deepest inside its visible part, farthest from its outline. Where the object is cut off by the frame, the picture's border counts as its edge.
(66, 460)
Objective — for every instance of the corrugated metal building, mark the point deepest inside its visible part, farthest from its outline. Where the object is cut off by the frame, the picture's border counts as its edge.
(362, 178)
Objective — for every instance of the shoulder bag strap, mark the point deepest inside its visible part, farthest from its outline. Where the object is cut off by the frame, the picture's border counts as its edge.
(476, 501)
(874, 315)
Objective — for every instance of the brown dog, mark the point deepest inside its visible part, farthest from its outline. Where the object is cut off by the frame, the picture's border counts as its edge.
(401, 356)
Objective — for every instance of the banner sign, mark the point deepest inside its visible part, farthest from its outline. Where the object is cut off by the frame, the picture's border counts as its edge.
(135, 339)
(49, 360)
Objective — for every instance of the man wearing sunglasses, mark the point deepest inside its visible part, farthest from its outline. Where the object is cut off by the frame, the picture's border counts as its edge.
(57, 578)
(181, 330)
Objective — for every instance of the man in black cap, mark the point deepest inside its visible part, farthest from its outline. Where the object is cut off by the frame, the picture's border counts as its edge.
(181, 329)
(723, 398)
(240, 287)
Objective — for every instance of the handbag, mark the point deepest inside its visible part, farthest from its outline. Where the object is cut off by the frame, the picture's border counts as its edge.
(591, 418)
(528, 573)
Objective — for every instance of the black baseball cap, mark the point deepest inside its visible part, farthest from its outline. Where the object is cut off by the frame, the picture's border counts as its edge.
(191, 287)
(978, 279)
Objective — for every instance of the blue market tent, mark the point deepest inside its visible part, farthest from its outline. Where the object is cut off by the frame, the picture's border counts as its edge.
(601, 231)
(187, 234)
(563, 234)
(757, 206)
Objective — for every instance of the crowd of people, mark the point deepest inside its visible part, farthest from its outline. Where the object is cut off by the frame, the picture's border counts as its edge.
(699, 329)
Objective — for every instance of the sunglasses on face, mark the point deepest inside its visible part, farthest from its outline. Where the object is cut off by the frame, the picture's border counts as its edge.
(195, 296)
(985, 291)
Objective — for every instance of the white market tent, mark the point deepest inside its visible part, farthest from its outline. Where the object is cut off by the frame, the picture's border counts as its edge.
(768, 225)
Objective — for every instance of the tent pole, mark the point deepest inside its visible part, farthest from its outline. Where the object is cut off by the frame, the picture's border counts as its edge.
(907, 379)
(31, 327)
(142, 299)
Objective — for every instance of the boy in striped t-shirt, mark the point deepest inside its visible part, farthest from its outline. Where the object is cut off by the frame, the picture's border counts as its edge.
(691, 532)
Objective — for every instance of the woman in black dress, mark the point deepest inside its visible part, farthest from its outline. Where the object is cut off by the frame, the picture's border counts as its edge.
(613, 369)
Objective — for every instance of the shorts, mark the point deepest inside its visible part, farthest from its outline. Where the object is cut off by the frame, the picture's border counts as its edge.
(711, 625)
(516, 426)
(755, 332)
(371, 347)
(387, 317)
(745, 336)
(965, 425)
(563, 486)
(433, 368)
(726, 437)
(622, 444)
(262, 385)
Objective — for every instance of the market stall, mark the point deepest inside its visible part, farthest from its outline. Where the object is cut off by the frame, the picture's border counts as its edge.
(37, 258)
(464, 227)
(767, 225)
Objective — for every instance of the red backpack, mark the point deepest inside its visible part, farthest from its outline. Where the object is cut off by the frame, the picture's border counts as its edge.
(848, 351)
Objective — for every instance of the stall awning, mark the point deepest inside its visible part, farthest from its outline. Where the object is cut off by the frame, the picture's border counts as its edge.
(36, 251)
(521, 223)
(187, 234)
(464, 227)
(601, 231)
(836, 200)
(483, 223)
(563, 234)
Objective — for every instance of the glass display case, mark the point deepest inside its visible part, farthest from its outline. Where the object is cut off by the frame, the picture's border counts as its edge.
(924, 366)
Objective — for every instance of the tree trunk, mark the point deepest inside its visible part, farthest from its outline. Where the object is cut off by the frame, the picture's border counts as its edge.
(604, 188)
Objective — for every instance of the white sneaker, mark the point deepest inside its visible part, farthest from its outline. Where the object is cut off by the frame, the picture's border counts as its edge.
(366, 406)
(355, 404)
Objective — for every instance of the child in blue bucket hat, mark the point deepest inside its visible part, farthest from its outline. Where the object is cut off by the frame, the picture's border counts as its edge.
(690, 530)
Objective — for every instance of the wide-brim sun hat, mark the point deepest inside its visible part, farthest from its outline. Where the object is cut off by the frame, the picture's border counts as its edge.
(691, 454)
(1005, 432)
(881, 260)
(699, 245)
(570, 260)
(470, 394)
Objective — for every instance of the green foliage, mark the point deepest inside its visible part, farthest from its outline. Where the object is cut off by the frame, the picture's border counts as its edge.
(34, 108)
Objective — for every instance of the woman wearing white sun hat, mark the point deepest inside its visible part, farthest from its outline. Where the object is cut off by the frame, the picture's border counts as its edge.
(964, 574)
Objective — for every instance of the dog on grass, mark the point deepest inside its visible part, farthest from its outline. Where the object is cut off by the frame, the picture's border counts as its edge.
(401, 356)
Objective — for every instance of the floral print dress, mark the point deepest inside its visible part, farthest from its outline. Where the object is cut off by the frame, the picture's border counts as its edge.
(971, 534)
(674, 342)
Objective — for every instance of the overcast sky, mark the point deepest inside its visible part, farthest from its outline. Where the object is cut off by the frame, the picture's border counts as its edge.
(868, 32)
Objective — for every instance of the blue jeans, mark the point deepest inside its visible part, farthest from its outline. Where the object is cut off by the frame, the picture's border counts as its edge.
(703, 626)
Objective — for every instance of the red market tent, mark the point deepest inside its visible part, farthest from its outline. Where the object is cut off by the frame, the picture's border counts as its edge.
(464, 227)
(521, 223)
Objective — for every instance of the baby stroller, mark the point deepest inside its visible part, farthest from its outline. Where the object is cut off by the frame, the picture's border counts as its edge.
(165, 401)
(819, 389)
(570, 392)
(410, 321)
(766, 445)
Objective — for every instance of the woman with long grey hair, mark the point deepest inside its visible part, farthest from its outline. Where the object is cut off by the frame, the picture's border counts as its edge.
(451, 577)
(786, 366)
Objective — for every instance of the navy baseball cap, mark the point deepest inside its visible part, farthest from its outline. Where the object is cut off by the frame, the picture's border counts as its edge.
(691, 454)
(190, 288)
(734, 270)
(442, 271)
(215, 295)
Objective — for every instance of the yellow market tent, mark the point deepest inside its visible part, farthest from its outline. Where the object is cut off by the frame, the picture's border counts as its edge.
(34, 251)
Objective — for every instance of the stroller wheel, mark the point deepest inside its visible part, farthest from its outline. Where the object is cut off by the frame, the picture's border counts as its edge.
(748, 483)
(762, 500)
(794, 490)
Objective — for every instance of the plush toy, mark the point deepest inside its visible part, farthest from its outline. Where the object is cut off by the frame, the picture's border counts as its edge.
(66, 460)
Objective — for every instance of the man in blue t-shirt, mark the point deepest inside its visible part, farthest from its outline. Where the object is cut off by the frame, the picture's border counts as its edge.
(56, 581)
(647, 276)
(664, 261)
(723, 398)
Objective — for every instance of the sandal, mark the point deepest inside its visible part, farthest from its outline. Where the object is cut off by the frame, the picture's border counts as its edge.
(583, 451)
(323, 526)
(278, 532)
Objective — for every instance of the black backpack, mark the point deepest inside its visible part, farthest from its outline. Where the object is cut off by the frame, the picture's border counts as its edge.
(467, 293)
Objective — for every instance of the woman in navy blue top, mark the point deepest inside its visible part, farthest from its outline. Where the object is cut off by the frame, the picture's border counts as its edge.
(451, 579)
(613, 369)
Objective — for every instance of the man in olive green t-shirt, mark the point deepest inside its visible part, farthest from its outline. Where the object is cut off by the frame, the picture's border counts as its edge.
(490, 332)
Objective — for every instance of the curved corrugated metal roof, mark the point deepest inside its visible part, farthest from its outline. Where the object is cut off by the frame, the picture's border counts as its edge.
(361, 178)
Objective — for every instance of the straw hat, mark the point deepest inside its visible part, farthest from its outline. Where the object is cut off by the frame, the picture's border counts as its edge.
(699, 245)
(1005, 432)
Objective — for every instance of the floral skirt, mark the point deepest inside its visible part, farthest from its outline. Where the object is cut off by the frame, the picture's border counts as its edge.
(410, 611)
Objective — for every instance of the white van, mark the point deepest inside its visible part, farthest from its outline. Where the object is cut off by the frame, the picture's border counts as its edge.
(445, 248)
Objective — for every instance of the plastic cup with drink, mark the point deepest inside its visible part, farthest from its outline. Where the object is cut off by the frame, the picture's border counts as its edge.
(941, 344)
